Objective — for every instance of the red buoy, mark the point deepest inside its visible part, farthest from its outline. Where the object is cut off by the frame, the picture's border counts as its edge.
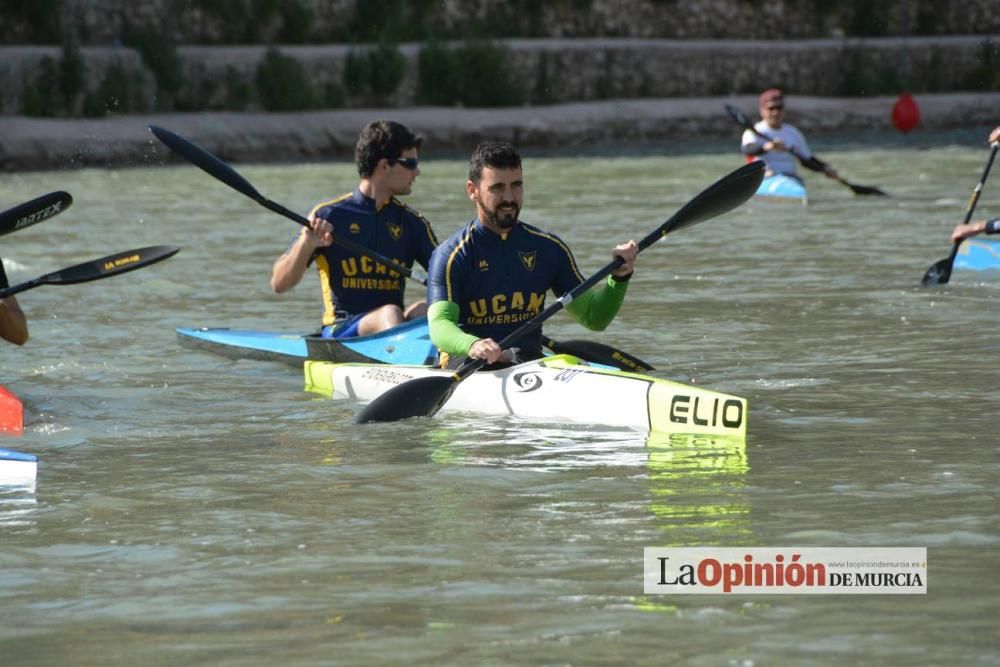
(905, 113)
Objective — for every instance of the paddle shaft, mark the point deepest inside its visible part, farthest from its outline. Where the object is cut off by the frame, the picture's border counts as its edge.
(96, 269)
(598, 353)
(745, 122)
(973, 200)
(34, 211)
(214, 166)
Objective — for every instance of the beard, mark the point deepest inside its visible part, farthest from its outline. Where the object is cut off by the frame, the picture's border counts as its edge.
(503, 216)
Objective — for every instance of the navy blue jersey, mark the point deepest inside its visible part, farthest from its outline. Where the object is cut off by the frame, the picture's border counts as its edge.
(500, 281)
(353, 284)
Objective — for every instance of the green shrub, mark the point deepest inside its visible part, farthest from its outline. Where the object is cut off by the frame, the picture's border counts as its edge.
(296, 22)
(544, 80)
(334, 96)
(160, 55)
(474, 75)
(436, 82)
(239, 90)
(41, 97)
(282, 85)
(40, 17)
(392, 21)
(870, 19)
(72, 74)
(862, 77)
(120, 92)
(985, 75)
(249, 21)
(357, 72)
(377, 71)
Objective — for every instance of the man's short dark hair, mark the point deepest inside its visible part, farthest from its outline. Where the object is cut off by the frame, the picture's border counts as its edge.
(492, 154)
(383, 139)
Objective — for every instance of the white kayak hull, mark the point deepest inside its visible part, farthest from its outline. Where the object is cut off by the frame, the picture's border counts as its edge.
(17, 468)
(559, 389)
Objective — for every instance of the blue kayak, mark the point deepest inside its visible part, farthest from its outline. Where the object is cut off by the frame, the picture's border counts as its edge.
(779, 187)
(978, 254)
(409, 343)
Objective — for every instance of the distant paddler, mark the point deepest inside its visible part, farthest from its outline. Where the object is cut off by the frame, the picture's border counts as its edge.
(992, 226)
(492, 275)
(778, 143)
(360, 295)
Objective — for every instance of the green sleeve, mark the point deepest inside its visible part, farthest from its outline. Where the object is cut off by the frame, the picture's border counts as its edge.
(596, 307)
(442, 318)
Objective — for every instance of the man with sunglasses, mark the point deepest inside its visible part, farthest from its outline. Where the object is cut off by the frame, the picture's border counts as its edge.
(360, 295)
(784, 142)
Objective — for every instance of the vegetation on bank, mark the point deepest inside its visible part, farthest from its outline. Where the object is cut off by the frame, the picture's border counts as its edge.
(475, 72)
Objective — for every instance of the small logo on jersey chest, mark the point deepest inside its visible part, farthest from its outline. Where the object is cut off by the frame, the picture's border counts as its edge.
(484, 265)
(528, 259)
(395, 230)
(355, 228)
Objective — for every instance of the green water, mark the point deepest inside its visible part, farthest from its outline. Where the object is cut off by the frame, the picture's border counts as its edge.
(190, 509)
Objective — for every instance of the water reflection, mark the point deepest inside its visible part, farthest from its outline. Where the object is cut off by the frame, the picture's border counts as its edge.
(697, 487)
(17, 503)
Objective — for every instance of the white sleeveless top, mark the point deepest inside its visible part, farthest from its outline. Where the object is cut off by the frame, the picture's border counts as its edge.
(779, 162)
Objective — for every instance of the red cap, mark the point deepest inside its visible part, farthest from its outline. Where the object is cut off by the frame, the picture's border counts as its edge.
(771, 95)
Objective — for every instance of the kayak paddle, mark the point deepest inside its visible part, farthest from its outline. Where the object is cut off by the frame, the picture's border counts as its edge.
(423, 397)
(740, 118)
(214, 166)
(96, 269)
(34, 211)
(939, 272)
(598, 353)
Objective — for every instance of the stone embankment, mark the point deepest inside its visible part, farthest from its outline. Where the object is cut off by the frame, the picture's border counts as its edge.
(33, 144)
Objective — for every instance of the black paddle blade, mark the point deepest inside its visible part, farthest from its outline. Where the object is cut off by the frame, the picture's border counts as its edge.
(35, 211)
(863, 189)
(939, 273)
(205, 161)
(598, 353)
(721, 197)
(420, 397)
(122, 262)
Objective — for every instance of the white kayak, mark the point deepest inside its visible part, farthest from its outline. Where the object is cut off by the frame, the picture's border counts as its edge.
(17, 467)
(560, 389)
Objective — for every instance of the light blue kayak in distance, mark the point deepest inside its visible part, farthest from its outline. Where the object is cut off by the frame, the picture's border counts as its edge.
(779, 187)
(409, 343)
(978, 254)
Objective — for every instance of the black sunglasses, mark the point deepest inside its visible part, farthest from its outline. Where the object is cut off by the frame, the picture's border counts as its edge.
(407, 162)
(776, 107)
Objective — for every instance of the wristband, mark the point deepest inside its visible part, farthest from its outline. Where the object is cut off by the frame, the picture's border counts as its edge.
(622, 279)
(992, 226)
